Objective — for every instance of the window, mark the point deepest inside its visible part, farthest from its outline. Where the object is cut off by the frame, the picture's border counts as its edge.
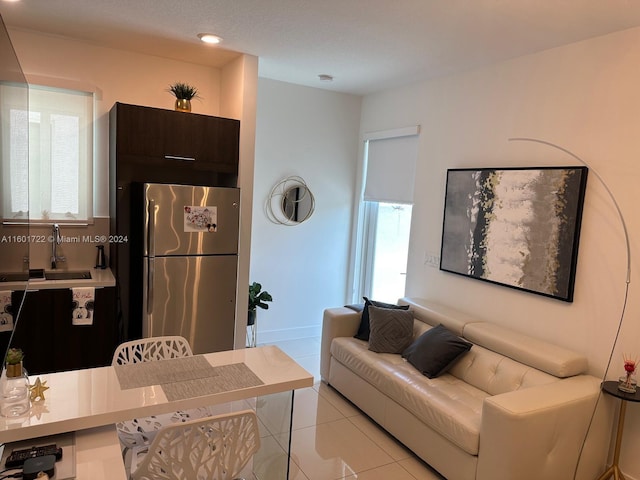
(384, 272)
(385, 216)
(47, 169)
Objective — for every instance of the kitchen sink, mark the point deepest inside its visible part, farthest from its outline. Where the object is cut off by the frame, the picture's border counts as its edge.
(75, 275)
(14, 277)
(50, 275)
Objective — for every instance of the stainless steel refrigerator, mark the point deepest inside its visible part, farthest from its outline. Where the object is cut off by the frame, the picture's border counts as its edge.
(190, 264)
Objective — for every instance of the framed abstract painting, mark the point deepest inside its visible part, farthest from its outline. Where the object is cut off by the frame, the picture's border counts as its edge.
(517, 227)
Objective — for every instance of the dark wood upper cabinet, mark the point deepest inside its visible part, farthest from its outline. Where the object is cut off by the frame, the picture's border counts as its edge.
(176, 140)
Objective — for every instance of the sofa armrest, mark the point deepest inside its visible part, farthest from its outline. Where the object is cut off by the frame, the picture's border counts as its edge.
(336, 322)
(537, 432)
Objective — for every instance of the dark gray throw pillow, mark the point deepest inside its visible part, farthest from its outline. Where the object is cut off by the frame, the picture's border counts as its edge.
(356, 307)
(363, 329)
(391, 330)
(436, 351)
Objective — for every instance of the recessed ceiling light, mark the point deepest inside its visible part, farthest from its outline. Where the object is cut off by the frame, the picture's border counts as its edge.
(325, 78)
(209, 38)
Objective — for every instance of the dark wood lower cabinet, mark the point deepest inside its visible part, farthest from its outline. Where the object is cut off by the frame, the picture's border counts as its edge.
(51, 342)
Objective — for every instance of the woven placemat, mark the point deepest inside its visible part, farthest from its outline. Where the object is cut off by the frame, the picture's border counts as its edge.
(186, 377)
(227, 377)
(145, 374)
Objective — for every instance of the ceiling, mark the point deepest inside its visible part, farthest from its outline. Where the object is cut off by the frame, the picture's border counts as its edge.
(366, 45)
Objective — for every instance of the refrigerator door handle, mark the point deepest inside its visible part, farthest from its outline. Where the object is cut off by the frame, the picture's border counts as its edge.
(151, 228)
(151, 250)
(150, 273)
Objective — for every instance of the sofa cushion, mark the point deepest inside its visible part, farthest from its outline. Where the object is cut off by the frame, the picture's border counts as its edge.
(550, 358)
(363, 329)
(435, 351)
(433, 314)
(496, 374)
(447, 404)
(391, 330)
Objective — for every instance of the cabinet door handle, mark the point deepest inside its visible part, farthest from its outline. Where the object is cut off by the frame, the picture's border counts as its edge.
(177, 157)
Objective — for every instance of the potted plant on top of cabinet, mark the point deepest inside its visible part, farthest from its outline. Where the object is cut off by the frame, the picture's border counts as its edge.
(183, 93)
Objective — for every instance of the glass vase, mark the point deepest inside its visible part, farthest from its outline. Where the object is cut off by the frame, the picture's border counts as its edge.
(627, 383)
(14, 391)
(252, 329)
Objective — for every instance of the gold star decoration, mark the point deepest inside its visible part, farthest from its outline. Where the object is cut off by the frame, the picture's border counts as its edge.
(37, 390)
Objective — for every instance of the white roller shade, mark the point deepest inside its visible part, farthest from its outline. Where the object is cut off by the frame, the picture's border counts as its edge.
(47, 171)
(391, 167)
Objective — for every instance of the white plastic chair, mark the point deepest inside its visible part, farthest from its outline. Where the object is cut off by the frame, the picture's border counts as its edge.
(149, 349)
(212, 448)
(141, 431)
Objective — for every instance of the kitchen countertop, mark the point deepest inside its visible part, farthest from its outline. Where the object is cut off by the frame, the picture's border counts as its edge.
(99, 278)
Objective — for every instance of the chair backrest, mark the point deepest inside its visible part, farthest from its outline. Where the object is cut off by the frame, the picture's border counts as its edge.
(150, 349)
(212, 448)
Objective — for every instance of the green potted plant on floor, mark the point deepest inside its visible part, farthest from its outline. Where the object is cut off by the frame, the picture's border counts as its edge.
(257, 298)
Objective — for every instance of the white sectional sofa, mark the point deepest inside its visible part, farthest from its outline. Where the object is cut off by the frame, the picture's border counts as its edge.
(512, 408)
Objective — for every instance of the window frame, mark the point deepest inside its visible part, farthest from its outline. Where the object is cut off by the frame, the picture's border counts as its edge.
(86, 160)
(365, 221)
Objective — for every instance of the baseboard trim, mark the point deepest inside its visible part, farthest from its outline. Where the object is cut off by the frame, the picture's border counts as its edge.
(272, 336)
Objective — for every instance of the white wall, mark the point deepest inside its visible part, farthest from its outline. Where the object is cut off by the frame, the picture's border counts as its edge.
(240, 87)
(311, 133)
(584, 97)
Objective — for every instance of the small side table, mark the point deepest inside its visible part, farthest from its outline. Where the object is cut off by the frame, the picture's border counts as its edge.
(611, 388)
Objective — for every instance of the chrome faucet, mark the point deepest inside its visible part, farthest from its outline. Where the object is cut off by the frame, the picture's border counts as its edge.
(56, 240)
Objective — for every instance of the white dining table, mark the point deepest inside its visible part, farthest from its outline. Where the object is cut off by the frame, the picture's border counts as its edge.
(89, 402)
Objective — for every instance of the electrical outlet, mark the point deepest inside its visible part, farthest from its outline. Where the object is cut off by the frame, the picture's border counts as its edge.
(431, 259)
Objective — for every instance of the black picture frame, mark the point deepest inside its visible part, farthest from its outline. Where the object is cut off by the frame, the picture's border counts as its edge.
(517, 227)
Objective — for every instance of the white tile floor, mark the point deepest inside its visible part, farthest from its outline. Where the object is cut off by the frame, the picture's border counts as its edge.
(333, 440)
